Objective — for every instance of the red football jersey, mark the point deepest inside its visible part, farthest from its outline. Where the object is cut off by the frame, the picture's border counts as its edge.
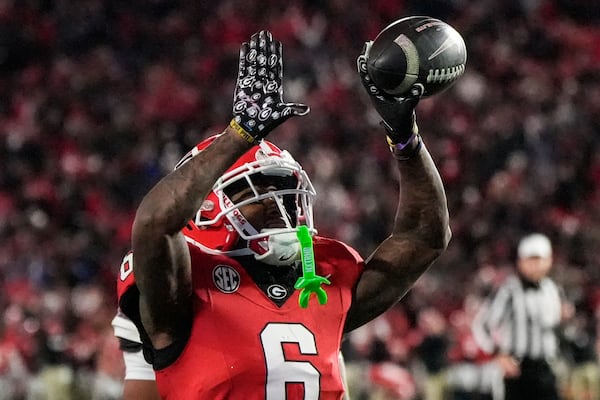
(243, 346)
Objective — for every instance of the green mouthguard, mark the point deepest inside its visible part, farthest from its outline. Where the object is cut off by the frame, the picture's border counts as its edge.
(309, 282)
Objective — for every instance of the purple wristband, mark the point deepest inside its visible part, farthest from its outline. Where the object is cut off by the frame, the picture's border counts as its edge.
(402, 146)
(407, 150)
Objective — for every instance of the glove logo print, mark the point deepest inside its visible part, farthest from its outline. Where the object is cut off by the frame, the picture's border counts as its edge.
(246, 83)
(273, 60)
(252, 112)
(239, 106)
(271, 87)
(362, 65)
(264, 114)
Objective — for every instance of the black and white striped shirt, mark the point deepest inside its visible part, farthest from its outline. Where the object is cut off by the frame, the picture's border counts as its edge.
(520, 320)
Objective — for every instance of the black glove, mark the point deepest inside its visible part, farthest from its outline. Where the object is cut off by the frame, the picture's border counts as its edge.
(258, 105)
(397, 113)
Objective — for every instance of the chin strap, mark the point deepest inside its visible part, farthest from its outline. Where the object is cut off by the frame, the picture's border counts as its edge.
(309, 282)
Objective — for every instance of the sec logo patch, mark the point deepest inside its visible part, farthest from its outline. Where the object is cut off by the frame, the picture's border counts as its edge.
(226, 278)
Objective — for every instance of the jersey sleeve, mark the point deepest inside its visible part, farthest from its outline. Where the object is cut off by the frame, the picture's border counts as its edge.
(126, 278)
(136, 367)
(124, 328)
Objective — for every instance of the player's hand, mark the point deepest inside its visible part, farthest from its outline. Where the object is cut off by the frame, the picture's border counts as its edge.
(397, 112)
(258, 105)
(508, 365)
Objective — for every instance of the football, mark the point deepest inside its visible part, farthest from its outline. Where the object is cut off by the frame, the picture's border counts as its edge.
(416, 50)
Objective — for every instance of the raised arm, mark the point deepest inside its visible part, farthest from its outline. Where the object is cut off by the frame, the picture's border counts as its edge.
(421, 226)
(161, 257)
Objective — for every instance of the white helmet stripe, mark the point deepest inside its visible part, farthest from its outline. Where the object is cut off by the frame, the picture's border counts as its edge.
(236, 218)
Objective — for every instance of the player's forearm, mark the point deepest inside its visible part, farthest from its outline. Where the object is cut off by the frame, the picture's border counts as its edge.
(420, 235)
(422, 215)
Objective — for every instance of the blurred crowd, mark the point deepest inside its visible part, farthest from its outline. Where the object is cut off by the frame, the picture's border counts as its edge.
(100, 98)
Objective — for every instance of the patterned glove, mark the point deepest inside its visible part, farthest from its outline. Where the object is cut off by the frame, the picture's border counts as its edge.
(258, 105)
(397, 113)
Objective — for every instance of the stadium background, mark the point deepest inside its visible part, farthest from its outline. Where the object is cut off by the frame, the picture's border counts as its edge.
(100, 98)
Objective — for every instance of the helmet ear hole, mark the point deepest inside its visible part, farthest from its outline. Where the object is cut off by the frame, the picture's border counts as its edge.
(207, 205)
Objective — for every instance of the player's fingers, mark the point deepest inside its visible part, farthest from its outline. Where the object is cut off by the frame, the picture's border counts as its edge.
(366, 80)
(262, 56)
(297, 109)
(414, 95)
(245, 73)
(361, 65)
(268, 42)
(264, 42)
(361, 61)
(276, 59)
(411, 101)
(417, 90)
(252, 54)
(366, 47)
(276, 65)
(244, 48)
(254, 40)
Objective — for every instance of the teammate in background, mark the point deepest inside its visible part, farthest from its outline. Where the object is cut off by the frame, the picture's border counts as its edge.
(519, 323)
(235, 296)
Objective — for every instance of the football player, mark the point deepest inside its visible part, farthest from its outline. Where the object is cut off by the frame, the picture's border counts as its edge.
(227, 257)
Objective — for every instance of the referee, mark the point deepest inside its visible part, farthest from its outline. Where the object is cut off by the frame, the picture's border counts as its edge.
(519, 321)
